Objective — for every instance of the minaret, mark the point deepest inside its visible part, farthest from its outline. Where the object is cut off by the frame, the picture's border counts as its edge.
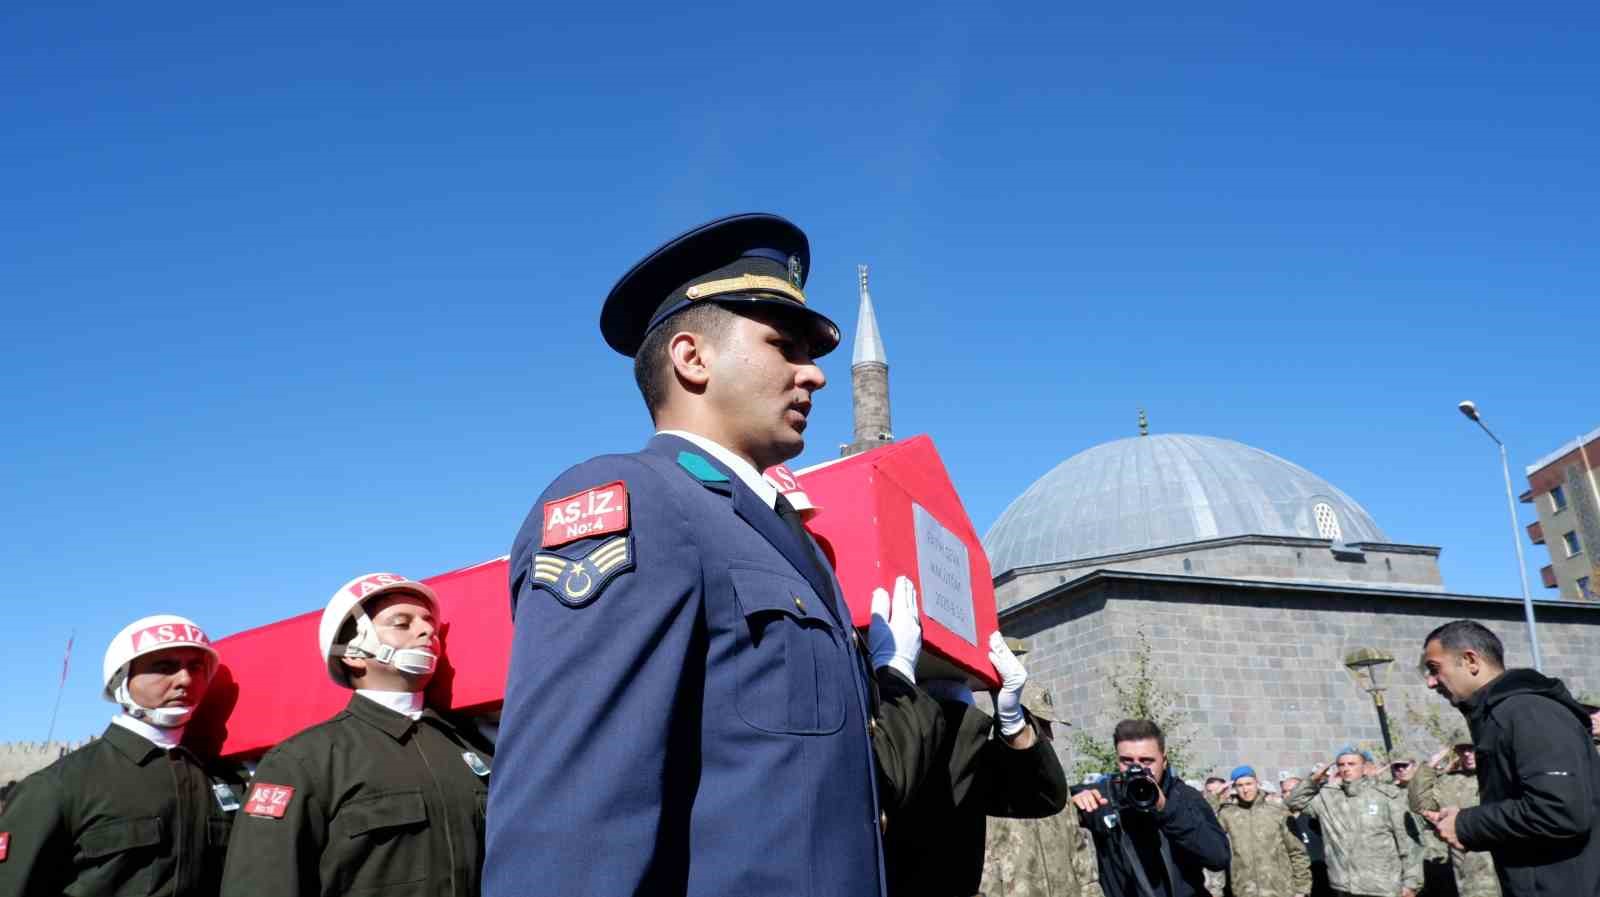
(869, 379)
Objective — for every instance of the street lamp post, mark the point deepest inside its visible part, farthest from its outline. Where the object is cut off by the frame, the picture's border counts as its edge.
(1471, 411)
(1365, 664)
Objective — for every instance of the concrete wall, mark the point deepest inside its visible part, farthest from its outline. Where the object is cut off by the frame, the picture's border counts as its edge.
(1271, 558)
(1260, 672)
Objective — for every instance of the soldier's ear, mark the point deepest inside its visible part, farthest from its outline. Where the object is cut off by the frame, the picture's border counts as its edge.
(356, 665)
(690, 355)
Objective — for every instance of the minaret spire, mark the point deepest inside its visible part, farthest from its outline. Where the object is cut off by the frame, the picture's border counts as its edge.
(869, 379)
(869, 343)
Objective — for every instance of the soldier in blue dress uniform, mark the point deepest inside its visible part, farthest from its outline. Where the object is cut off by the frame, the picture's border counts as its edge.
(688, 709)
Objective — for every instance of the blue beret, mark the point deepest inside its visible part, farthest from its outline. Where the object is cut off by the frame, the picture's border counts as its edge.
(1240, 772)
(1367, 756)
(741, 261)
(1348, 749)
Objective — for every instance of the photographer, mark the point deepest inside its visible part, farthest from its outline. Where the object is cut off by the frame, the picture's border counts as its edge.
(1154, 836)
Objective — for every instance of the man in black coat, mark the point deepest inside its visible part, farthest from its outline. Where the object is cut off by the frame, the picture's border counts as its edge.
(1165, 851)
(1538, 775)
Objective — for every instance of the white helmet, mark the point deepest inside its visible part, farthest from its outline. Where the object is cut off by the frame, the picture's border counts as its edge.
(147, 635)
(349, 602)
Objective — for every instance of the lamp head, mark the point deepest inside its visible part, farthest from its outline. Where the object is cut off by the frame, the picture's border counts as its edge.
(1470, 409)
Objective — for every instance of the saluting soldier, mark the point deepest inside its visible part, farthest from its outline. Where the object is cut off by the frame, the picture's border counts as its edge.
(1371, 842)
(135, 812)
(688, 709)
(388, 796)
(1450, 779)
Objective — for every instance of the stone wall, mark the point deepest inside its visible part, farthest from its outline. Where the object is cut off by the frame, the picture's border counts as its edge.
(1260, 670)
(19, 759)
(869, 385)
(1273, 558)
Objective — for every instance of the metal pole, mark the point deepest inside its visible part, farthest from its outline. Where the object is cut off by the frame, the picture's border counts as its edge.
(1516, 540)
(57, 709)
(1383, 724)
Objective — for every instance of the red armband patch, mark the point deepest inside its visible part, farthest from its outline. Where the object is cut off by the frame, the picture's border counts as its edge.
(5, 845)
(594, 512)
(268, 800)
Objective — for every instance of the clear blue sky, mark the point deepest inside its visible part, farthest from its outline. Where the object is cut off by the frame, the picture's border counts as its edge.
(299, 293)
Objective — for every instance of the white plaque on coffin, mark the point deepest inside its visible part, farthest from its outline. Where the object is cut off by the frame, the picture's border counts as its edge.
(943, 571)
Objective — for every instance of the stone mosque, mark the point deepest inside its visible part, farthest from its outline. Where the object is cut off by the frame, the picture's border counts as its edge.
(1248, 578)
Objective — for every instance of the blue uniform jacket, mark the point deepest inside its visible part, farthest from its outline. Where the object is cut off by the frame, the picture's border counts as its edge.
(689, 720)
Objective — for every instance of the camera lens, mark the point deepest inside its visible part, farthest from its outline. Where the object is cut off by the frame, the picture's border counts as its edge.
(1142, 793)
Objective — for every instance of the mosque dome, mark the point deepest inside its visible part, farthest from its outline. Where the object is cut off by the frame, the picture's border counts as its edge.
(1168, 489)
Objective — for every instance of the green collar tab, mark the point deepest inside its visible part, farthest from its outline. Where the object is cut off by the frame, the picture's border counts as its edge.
(701, 468)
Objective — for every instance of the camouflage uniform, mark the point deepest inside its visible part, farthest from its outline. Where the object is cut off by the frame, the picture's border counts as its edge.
(1430, 790)
(1216, 879)
(1269, 860)
(1371, 846)
(1049, 857)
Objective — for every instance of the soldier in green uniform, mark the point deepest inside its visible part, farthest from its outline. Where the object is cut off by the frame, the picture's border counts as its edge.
(1268, 859)
(137, 811)
(1049, 856)
(1450, 780)
(1371, 847)
(1000, 766)
(387, 796)
(1436, 877)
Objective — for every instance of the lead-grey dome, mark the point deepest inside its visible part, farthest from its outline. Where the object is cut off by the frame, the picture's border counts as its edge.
(1168, 489)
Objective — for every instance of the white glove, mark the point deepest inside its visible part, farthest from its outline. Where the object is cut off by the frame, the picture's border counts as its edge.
(894, 638)
(1008, 705)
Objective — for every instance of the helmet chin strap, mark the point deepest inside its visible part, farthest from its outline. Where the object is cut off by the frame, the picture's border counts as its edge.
(411, 661)
(161, 717)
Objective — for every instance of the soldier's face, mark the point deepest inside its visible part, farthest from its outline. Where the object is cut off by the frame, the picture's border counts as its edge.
(759, 388)
(1247, 788)
(1594, 724)
(1469, 757)
(1351, 767)
(1145, 752)
(176, 677)
(1288, 785)
(402, 620)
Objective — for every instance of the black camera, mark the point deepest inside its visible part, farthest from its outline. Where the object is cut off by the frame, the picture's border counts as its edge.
(1133, 790)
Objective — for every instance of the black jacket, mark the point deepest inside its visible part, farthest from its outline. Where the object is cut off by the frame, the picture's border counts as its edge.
(1539, 786)
(119, 816)
(369, 802)
(1193, 840)
(933, 846)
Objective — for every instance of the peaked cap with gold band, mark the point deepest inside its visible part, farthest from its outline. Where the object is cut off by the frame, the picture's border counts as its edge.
(752, 260)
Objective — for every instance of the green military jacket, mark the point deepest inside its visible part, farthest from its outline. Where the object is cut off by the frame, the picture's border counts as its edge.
(1430, 790)
(934, 845)
(1269, 859)
(1048, 857)
(1370, 845)
(117, 817)
(368, 802)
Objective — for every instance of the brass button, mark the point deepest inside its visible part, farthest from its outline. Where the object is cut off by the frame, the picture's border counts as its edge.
(872, 727)
(855, 638)
(799, 605)
(883, 823)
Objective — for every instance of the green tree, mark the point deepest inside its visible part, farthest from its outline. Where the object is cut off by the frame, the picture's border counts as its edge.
(1138, 694)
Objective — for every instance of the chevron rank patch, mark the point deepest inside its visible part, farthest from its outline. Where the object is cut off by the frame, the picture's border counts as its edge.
(579, 573)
